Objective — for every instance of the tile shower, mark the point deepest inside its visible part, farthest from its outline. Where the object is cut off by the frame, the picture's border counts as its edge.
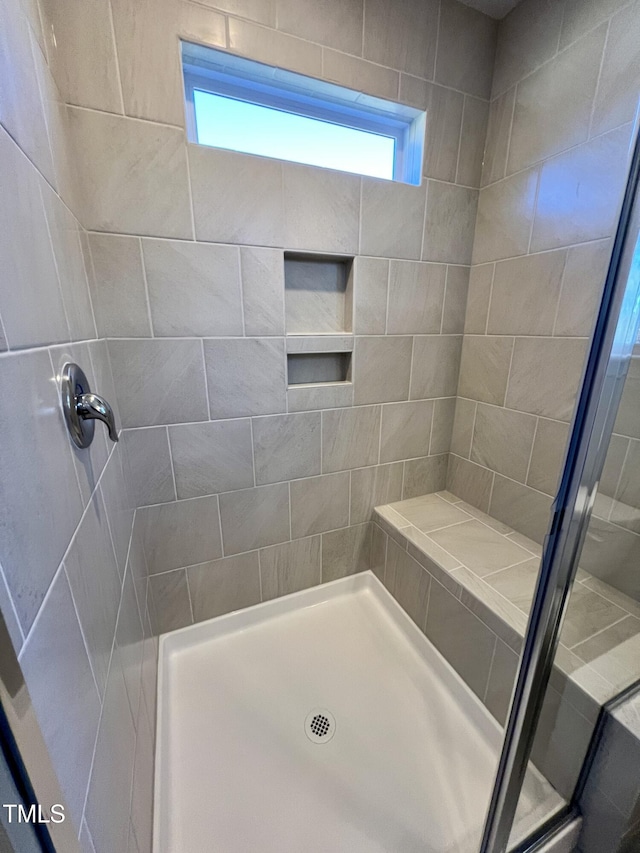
(167, 270)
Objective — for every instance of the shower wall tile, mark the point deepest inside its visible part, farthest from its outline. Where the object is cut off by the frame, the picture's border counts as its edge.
(501, 678)
(375, 486)
(382, 369)
(346, 552)
(466, 49)
(472, 139)
(514, 503)
(342, 29)
(179, 534)
(212, 457)
(371, 277)
(505, 213)
(142, 789)
(319, 504)
(262, 291)
(469, 481)
(496, 148)
(274, 48)
(170, 595)
(423, 476)
(480, 283)
(582, 284)
(405, 430)
(462, 432)
(360, 75)
(402, 36)
(547, 455)
(391, 220)
(211, 304)
(455, 300)
(287, 447)
(119, 505)
(290, 567)
(435, 366)
(443, 415)
(416, 296)
(118, 289)
(484, 368)
(255, 518)
(449, 223)
(224, 585)
(149, 460)
(350, 438)
(617, 98)
(159, 382)
(129, 644)
(201, 25)
(261, 11)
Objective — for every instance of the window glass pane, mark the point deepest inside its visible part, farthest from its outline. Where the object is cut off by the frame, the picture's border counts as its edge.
(253, 129)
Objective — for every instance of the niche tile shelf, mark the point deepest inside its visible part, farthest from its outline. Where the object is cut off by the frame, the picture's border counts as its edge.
(313, 360)
(318, 294)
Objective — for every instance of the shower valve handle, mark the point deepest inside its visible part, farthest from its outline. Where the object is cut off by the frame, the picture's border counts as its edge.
(82, 407)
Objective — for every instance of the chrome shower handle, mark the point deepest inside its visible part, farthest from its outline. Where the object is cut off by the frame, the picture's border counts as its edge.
(82, 407)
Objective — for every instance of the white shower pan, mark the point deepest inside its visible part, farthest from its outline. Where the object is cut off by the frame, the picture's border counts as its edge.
(322, 722)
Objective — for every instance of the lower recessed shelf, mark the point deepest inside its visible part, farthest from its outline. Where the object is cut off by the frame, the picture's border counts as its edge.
(318, 367)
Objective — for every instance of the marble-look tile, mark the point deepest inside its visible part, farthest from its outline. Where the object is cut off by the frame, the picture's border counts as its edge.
(37, 517)
(130, 643)
(423, 549)
(478, 547)
(424, 476)
(290, 567)
(416, 296)
(547, 456)
(382, 369)
(236, 181)
(332, 395)
(261, 11)
(478, 299)
(118, 289)
(449, 223)
(392, 219)
(262, 291)
(254, 518)
(378, 552)
(525, 294)
(194, 288)
(131, 175)
(582, 286)
(466, 643)
(494, 167)
(142, 792)
(405, 430)
(224, 585)
(31, 302)
(470, 481)
(462, 431)
(346, 552)
(502, 440)
(505, 214)
(455, 300)
(484, 368)
(392, 523)
(466, 49)
(56, 667)
(159, 381)
(172, 606)
(429, 512)
(580, 192)
(350, 438)
(262, 44)
(119, 506)
(411, 590)
(535, 361)
(580, 16)
(617, 97)
(286, 447)
(587, 614)
(342, 29)
(201, 25)
(149, 461)
(180, 534)
(331, 223)
(319, 504)
(522, 508)
(501, 680)
(472, 141)
(517, 583)
(435, 367)
(443, 414)
(360, 75)
(403, 36)
(498, 526)
(212, 457)
(553, 105)
(608, 552)
(374, 486)
(245, 377)
(614, 651)
(371, 278)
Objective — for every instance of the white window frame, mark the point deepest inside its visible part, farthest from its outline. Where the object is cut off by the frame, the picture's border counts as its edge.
(217, 72)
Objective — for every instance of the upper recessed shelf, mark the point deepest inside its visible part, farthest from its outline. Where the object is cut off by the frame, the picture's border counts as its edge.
(318, 294)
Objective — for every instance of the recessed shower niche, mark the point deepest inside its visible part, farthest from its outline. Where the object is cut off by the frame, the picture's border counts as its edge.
(318, 294)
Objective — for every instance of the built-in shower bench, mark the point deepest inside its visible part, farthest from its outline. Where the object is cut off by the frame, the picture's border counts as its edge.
(468, 580)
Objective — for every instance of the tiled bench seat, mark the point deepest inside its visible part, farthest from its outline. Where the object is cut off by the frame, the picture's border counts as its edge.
(467, 580)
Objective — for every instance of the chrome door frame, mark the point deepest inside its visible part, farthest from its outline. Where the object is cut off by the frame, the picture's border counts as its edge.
(602, 385)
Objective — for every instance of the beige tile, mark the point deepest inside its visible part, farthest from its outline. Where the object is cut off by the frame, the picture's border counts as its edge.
(202, 25)
(371, 277)
(224, 585)
(617, 96)
(392, 523)
(535, 360)
(382, 368)
(319, 504)
(180, 534)
(194, 288)
(580, 192)
(470, 481)
(212, 457)
(411, 590)
(132, 175)
(505, 214)
(262, 291)
(553, 105)
(484, 368)
(502, 441)
(608, 552)
(374, 486)
(290, 567)
(332, 395)
(262, 11)
(286, 447)
(394, 554)
(331, 223)
(606, 641)
(429, 512)
(583, 15)
(449, 223)
(360, 75)
(466, 49)
(170, 595)
(494, 167)
(498, 526)
(392, 219)
(421, 546)
(479, 297)
(472, 141)
(517, 583)
(424, 476)
(525, 294)
(628, 418)
(444, 108)
(118, 291)
(462, 431)
(587, 614)
(350, 438)
(499, 615)
(501, 681)
(149, 460)
(548, 456)
(378, 552)
(262, 44)
(522, 508)
(526, 543)
(416, 296)
(405, 430)
(403, 36)
(455, 300)
(443, 415)
(346, 552)
(436, 363)
(582, 286)
(245, 377)
(478, 547)
(342, 29)
(236, 181)
(159, 382)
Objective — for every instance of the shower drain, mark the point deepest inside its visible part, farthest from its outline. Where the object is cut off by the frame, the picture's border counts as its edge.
(320, 725)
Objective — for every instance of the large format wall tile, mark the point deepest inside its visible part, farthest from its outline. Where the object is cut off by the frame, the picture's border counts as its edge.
(505, 214)
(319, 504)
(375, 486)
(346, 551)
(341, 29)
(149, 461)
(484, 368)
(370, 295)
(179, 534)
(617, 97)
(254, 518)
(267, 45)
(466, 49)
(449, 223)
(382, 368)
(392, 218)
(350, 438)
(416, 295)
(118, 289)
(224, 585)
(290, 567)
(502, 440)
(286, 447)
(405, 430)
(262, 291)
(402, 36)
(435, 366)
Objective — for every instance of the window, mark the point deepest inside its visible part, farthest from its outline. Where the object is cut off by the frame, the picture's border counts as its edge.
(245, 106)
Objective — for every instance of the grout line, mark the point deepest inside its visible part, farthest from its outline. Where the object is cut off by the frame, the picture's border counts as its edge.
(253, 454)
(464, 109)
(190, 191)
(534, 215)
(424, 217)
(206, 383)
(289, 502)
(260, 574)
(601, 631)
(493, 657)
(560, 292)
(146, 287)
(173, 471)
(599, 78)
(533, 444)
(186, 577)
(112, 26)
(489, 303)
(220, 525)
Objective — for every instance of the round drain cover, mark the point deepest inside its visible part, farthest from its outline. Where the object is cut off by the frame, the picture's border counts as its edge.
(320, 725)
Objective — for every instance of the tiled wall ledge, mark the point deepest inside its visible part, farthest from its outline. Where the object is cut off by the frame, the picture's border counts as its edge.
(467, 581)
